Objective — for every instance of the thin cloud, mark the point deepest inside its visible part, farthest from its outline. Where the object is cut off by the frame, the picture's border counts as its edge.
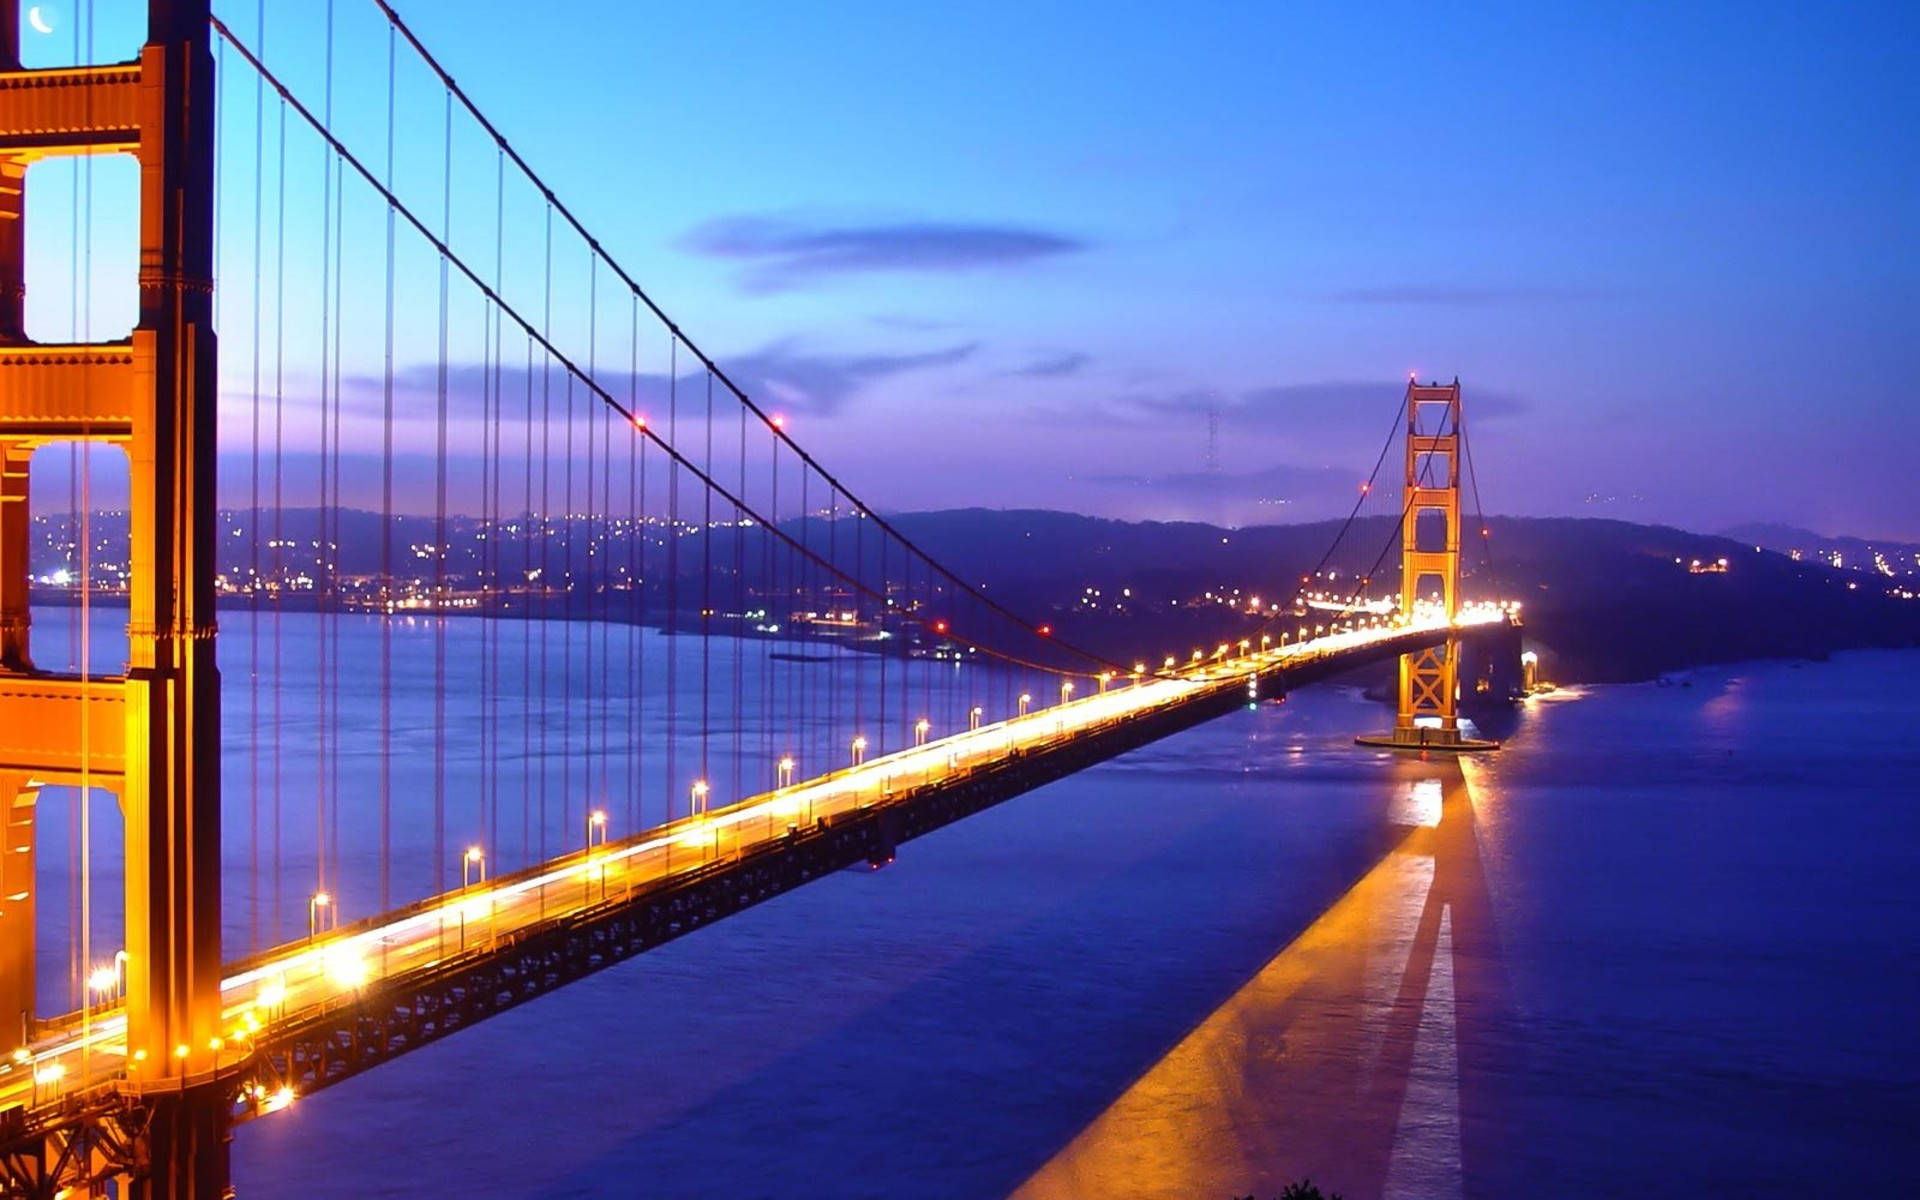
(1338, 412)
(911, 324)
(1279, 492)
(1447, 296)
(1333, 404)
(820, 384)
(787, 254)
(783, 374)
(1052, 368)
(1330, 402)
(1285, 482)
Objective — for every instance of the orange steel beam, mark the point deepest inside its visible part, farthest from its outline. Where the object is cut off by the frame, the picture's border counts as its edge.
(154, 395)
(1429, 678)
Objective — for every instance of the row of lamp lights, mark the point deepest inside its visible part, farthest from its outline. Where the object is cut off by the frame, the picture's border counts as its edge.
(108, 981)
(322, 913)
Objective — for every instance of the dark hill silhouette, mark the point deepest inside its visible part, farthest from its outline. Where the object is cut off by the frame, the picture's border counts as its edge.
(1603, 600)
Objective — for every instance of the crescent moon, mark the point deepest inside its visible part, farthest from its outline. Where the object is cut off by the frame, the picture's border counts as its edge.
(38, 22)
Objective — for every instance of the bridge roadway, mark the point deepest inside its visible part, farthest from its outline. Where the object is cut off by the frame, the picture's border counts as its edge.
(309, 1013)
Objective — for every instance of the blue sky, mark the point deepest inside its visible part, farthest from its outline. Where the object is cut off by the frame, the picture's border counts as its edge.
(1013, 253)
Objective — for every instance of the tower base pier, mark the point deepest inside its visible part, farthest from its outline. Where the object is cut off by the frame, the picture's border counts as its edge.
(1427, 738)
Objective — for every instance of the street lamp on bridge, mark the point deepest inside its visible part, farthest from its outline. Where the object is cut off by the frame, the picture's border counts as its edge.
(920, 730)
(973, 718)
(785, 769)
(859, 748)
(317, 903)
(1066, 690)
(472, 859)
(1025, 699)
(107, 980)
(596, 823)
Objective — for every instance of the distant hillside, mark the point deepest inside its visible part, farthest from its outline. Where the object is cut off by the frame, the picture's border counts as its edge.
(1603, 600)
(1862, 554)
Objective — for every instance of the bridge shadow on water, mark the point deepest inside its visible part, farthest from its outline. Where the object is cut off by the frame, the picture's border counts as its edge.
(1354, 1053)
(1361, 1055)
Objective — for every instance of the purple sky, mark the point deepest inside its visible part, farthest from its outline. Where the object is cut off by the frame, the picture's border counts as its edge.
(1014, 254)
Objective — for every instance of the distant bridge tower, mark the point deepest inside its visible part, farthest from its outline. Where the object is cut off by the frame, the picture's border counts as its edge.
(1428, 718)
(151, 736)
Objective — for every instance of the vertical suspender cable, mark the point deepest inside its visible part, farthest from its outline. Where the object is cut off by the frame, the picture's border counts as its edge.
(768, 590)
(440, 599)
(567, 583)
(525, 583)
(799, 598)
(596, 542)
(339, 457)
(603, 552)
(253, 511)
(642, 576)
(546, 524)
(823, 590)
(279, 493)
(885, 606)
(587, 515)
(386, 536)
(636, 548)
(494, 579)
(673, 577)
(706, 597)
(489, 533)
(636, 578)
(859, 616)
(1479, 513)
(740, 623)
(325, 574)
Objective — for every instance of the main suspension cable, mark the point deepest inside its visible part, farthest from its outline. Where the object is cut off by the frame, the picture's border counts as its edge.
(678, 334)
(575, 373)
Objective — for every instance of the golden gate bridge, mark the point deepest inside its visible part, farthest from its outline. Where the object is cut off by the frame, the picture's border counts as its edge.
(412, 319)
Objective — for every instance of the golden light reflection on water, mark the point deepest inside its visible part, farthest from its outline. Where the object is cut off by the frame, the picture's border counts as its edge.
(1341, 1059)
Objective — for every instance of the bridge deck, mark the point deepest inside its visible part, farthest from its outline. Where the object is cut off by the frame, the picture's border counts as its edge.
(311, 1013)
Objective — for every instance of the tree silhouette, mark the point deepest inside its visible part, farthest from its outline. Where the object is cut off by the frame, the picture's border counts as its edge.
(1303, 1190)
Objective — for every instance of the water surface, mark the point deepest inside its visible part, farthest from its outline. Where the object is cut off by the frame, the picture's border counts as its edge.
(1662, 941)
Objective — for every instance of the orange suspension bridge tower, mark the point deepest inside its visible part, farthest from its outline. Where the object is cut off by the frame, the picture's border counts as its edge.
(151, 736)
(1428, 716)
